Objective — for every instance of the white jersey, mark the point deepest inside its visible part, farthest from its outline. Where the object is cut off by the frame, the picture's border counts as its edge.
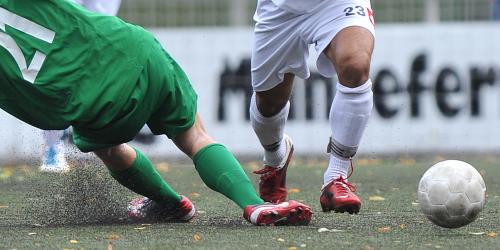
(107, 7)
(284, 30)
(297, 6)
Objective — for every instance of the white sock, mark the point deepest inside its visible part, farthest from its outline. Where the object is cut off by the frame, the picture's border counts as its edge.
(349, 115)
(337, 167)
(270, 131)
(274, 158)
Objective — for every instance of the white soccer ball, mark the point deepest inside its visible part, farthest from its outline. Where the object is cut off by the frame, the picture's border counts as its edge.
(451, 193)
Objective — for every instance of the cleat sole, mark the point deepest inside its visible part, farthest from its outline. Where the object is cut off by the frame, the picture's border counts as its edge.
(299, 216)
(351, 209)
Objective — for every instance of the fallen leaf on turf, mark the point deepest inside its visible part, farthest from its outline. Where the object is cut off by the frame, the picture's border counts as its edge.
(196, 237)
(253, 165)
(362, 162)
(312, 162)
(73, 241)
(324, 229)
(367, 247)
(406, 161)
(492, 234)
(281, 240)
(163, 167)
(402, 226)
(140, 228)
(439, 158)
(6, 173)
(384, 229)
(113, 237)
(476, 233)
(194, 195)
(376, 198)
(293, 190)
(31, 233)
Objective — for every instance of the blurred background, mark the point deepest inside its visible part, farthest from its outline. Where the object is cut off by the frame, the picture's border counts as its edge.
(435, 68)
(182, 13)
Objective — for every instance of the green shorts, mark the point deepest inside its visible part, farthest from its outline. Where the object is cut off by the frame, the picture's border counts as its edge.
(163, 99)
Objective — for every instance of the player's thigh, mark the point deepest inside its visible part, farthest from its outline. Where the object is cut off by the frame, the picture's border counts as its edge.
(343, 28)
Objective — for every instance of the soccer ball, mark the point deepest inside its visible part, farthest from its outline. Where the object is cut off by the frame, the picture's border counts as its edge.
(451, 193)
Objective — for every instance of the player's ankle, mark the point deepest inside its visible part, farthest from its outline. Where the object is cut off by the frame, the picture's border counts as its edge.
(274, 158)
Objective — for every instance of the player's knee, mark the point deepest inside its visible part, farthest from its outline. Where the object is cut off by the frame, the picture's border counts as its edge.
(117, 157)
(353, 70)
(193, 139)
(269, 106)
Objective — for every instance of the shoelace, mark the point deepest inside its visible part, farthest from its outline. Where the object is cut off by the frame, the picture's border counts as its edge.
(341, 188)
(266, 173)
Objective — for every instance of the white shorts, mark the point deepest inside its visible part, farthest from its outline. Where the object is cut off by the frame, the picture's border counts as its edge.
(282, 37)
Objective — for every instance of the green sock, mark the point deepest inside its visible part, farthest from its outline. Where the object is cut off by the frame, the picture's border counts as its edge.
(223, 173)
(143, 179)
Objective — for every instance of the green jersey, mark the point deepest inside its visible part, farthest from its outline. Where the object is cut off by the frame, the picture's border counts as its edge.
(62, 65)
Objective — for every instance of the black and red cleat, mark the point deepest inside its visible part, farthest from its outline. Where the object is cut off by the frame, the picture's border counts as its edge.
(286, 213)
(146, 210)
(339, 196)
(272, 184)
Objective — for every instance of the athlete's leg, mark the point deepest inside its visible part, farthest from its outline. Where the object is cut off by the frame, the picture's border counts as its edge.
(279, 53)
(268, 114)
(222, 173)
(135, 171)
(216, 165)
(350, 52)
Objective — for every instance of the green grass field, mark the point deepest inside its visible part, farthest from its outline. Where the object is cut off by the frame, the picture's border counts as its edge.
(84, 210)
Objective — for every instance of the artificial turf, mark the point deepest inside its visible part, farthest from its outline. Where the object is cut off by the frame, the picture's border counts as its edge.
(84, 209)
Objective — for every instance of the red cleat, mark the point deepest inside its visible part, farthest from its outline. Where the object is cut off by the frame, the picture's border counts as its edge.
(272, 184)
(146, 210)
(285, 213)
(339, 196)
